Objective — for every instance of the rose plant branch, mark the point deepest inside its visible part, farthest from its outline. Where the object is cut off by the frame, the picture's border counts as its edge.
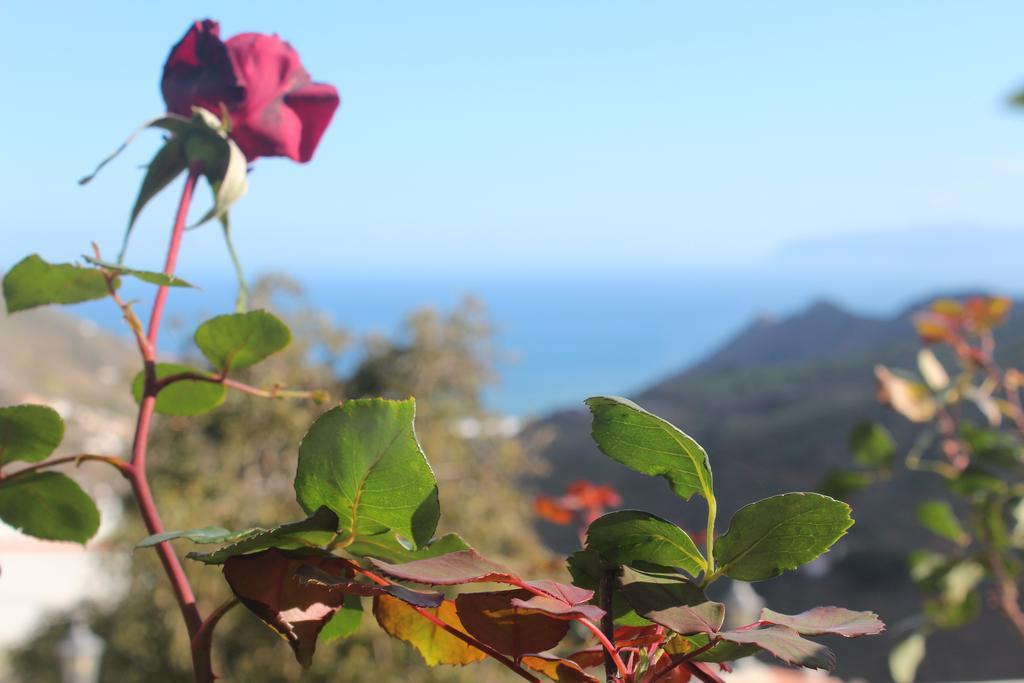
(972, 436)
(369, 493)
(119, 464)
(139, 480)
(605, 592)
(202, 642)
(220, 378)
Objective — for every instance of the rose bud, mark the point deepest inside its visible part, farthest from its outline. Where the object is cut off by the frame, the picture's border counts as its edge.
(275, 107)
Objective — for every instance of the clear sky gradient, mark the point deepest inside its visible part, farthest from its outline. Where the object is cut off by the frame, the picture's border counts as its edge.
(518, 136)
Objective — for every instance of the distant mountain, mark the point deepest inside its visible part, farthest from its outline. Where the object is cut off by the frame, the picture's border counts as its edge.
(773, 407)
(962, 255)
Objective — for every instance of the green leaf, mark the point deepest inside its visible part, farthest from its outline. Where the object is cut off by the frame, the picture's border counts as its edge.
(629, 536)
(239, 340)
(315, 531)
(960, 580)
(48, 505)
(363, 461)
(464, 566)
(827, 621)
(205, 535)
(927, 568)
(586, 568)
(905, 658)
(34, 282)
(723, 651)
(644, 442)
(938, 517)
(185, 397)
(345, 621)
(842, 484)
(672, 601)
(872, 445)
(389, 548)
(977, 481)
(780, 533)
(991, 446)
(952, 615)
(1016, 537)
(152, 277)
(29, 433)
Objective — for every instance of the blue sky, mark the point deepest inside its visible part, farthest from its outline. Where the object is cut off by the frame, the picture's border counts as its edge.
(505, 137)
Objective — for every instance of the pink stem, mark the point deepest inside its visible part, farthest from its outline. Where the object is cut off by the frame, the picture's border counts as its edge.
(607, 645)
(140, 483)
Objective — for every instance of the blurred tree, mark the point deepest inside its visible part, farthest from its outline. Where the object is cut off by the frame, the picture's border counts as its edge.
(234, 468)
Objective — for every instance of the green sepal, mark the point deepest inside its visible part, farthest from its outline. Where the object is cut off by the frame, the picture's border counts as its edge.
(152, 277)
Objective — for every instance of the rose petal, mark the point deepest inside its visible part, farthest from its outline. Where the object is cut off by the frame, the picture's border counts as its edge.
(315, 105)
(199, 72)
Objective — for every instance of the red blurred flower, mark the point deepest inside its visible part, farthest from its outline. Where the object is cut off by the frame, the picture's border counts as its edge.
(276, 109)
(582, 498)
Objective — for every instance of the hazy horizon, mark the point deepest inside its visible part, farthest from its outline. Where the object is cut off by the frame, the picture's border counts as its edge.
(577, 137)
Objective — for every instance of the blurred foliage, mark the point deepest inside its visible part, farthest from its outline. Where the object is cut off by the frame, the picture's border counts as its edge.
(234, 467)
(970, 416)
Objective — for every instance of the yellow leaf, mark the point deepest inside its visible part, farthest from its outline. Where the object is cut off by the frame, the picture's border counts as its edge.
(910, 399)
(557, 669)
(436, 645)
(932, 371)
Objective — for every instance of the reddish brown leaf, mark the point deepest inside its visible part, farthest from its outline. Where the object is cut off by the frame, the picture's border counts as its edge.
(491, 618)
(558, 609)
(311, 575)
(828, 621)
(569, 594)
(589, 658)
(666, 671)
(637, 636)
(786, 644)
(464, 566)
(267, 584)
